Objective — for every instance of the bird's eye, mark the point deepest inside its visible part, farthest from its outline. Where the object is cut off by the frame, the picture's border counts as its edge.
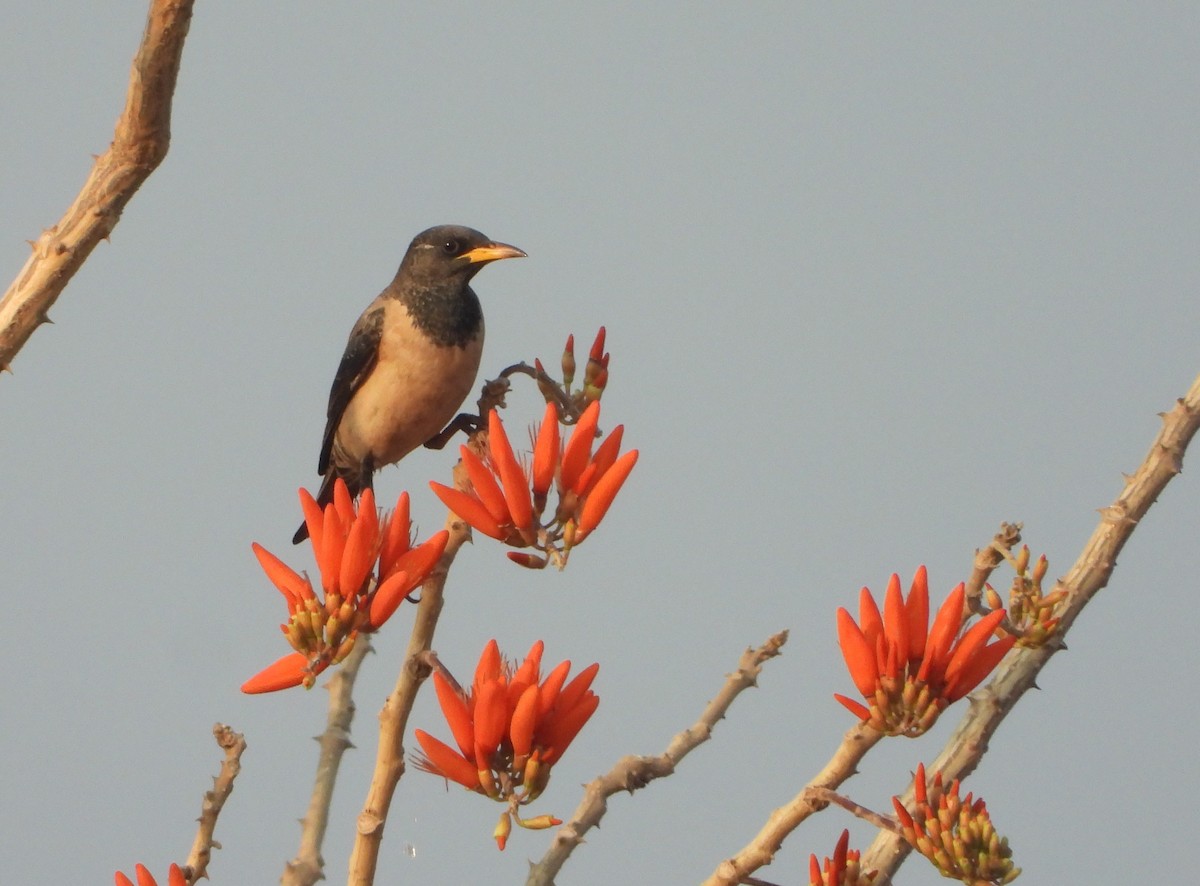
(451, 247)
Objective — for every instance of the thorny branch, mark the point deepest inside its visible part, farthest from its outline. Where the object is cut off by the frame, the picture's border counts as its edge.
(139, 144)
(234, 744)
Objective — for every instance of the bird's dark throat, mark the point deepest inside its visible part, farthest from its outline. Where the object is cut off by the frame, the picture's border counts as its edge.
(451, 317)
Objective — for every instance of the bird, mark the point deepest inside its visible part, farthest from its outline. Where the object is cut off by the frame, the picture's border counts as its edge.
(410, 361)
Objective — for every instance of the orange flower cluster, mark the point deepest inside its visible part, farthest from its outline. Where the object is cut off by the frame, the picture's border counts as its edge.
(907, 672)
(508, 500)
(348, 542)
(510, 728)
(175, 877)
(956, 835)
(842, 869)
(1032, 612)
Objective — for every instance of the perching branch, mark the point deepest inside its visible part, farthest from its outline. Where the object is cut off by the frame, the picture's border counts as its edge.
(139, 144)
(308, 866)
(234, 744)
(632, 772)
(1091, 572)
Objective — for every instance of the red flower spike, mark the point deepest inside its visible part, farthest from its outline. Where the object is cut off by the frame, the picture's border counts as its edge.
(552, 686)
(919, 785)
(470, 509)
(516, 485)
(343, 502)
(814, 872)
(942, 634)
(175, 876)
(971, 642)
(574, 691)
(579, 448)
(387, 599)
(561, 731)
(978, 668)
(860, 657)
(487, 490)
(489, 666)
(285, 673)
(546, 452)
(529, 670)
(290, 583)
(441, 759)
(329, 558)
(601, 497)
(491, 717)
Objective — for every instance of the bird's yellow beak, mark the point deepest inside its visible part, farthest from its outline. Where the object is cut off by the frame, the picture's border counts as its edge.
(492, 252)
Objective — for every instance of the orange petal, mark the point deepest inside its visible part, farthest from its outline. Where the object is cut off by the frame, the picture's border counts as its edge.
(557, 735)
(483, 481)
(859, 656)
(144, 876)
(175, 876)
(856, 708)
(597, 351)
(387, 598)
(122, 880)
(359, 555)
(838, 868)
(606, 454)
(917, 612)
(454, 709)
(397, 530)
(546, 451)
(469, 509)
(552, 686)
(869, 620)
(574, 691)
(291, 584)
(285, 673)
(343, 501)
(528, 671)
(895, 621)
(814, 872)
(446, 762)
(919, 787)
(524, 719)
(491, 721)
(596, 505)
(578, 450)
(516, 484)
(419, 561)
(971, 642)
(978, 668)
(489, 666)
(941, 636)
(314, 518)
(329, 557)
(529, 561)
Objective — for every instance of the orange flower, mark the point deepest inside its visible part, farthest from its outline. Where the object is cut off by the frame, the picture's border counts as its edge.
(956, 835)
(367, 567)
(510, 728)
(907, 672)
(175, 877)
(842, 869)
(509, 503)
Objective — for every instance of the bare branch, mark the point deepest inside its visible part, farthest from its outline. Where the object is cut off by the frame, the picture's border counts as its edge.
(632, 772)
(1091, 572)
(308, 866)
(139, 144)
(234, 744)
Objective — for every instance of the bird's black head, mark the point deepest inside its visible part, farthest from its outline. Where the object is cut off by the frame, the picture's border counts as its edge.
(452, 252)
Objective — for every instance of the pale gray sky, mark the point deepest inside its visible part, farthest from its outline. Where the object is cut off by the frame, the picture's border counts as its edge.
(875, 277)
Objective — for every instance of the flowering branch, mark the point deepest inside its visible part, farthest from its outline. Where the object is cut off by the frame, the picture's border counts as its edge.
(139, 144)
(234, 744)
(634, 772)
(308, 866)
(1086, 578)
(393, 719)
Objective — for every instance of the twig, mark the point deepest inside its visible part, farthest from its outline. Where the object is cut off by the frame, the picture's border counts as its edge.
(139, 145)
(1091, 572)
(633, 772)
(308, 866)
(393, 719)
(833, 798)
(759, 851)
(234, 744)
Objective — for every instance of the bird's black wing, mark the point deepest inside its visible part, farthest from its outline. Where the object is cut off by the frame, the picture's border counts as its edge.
(362, 350)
